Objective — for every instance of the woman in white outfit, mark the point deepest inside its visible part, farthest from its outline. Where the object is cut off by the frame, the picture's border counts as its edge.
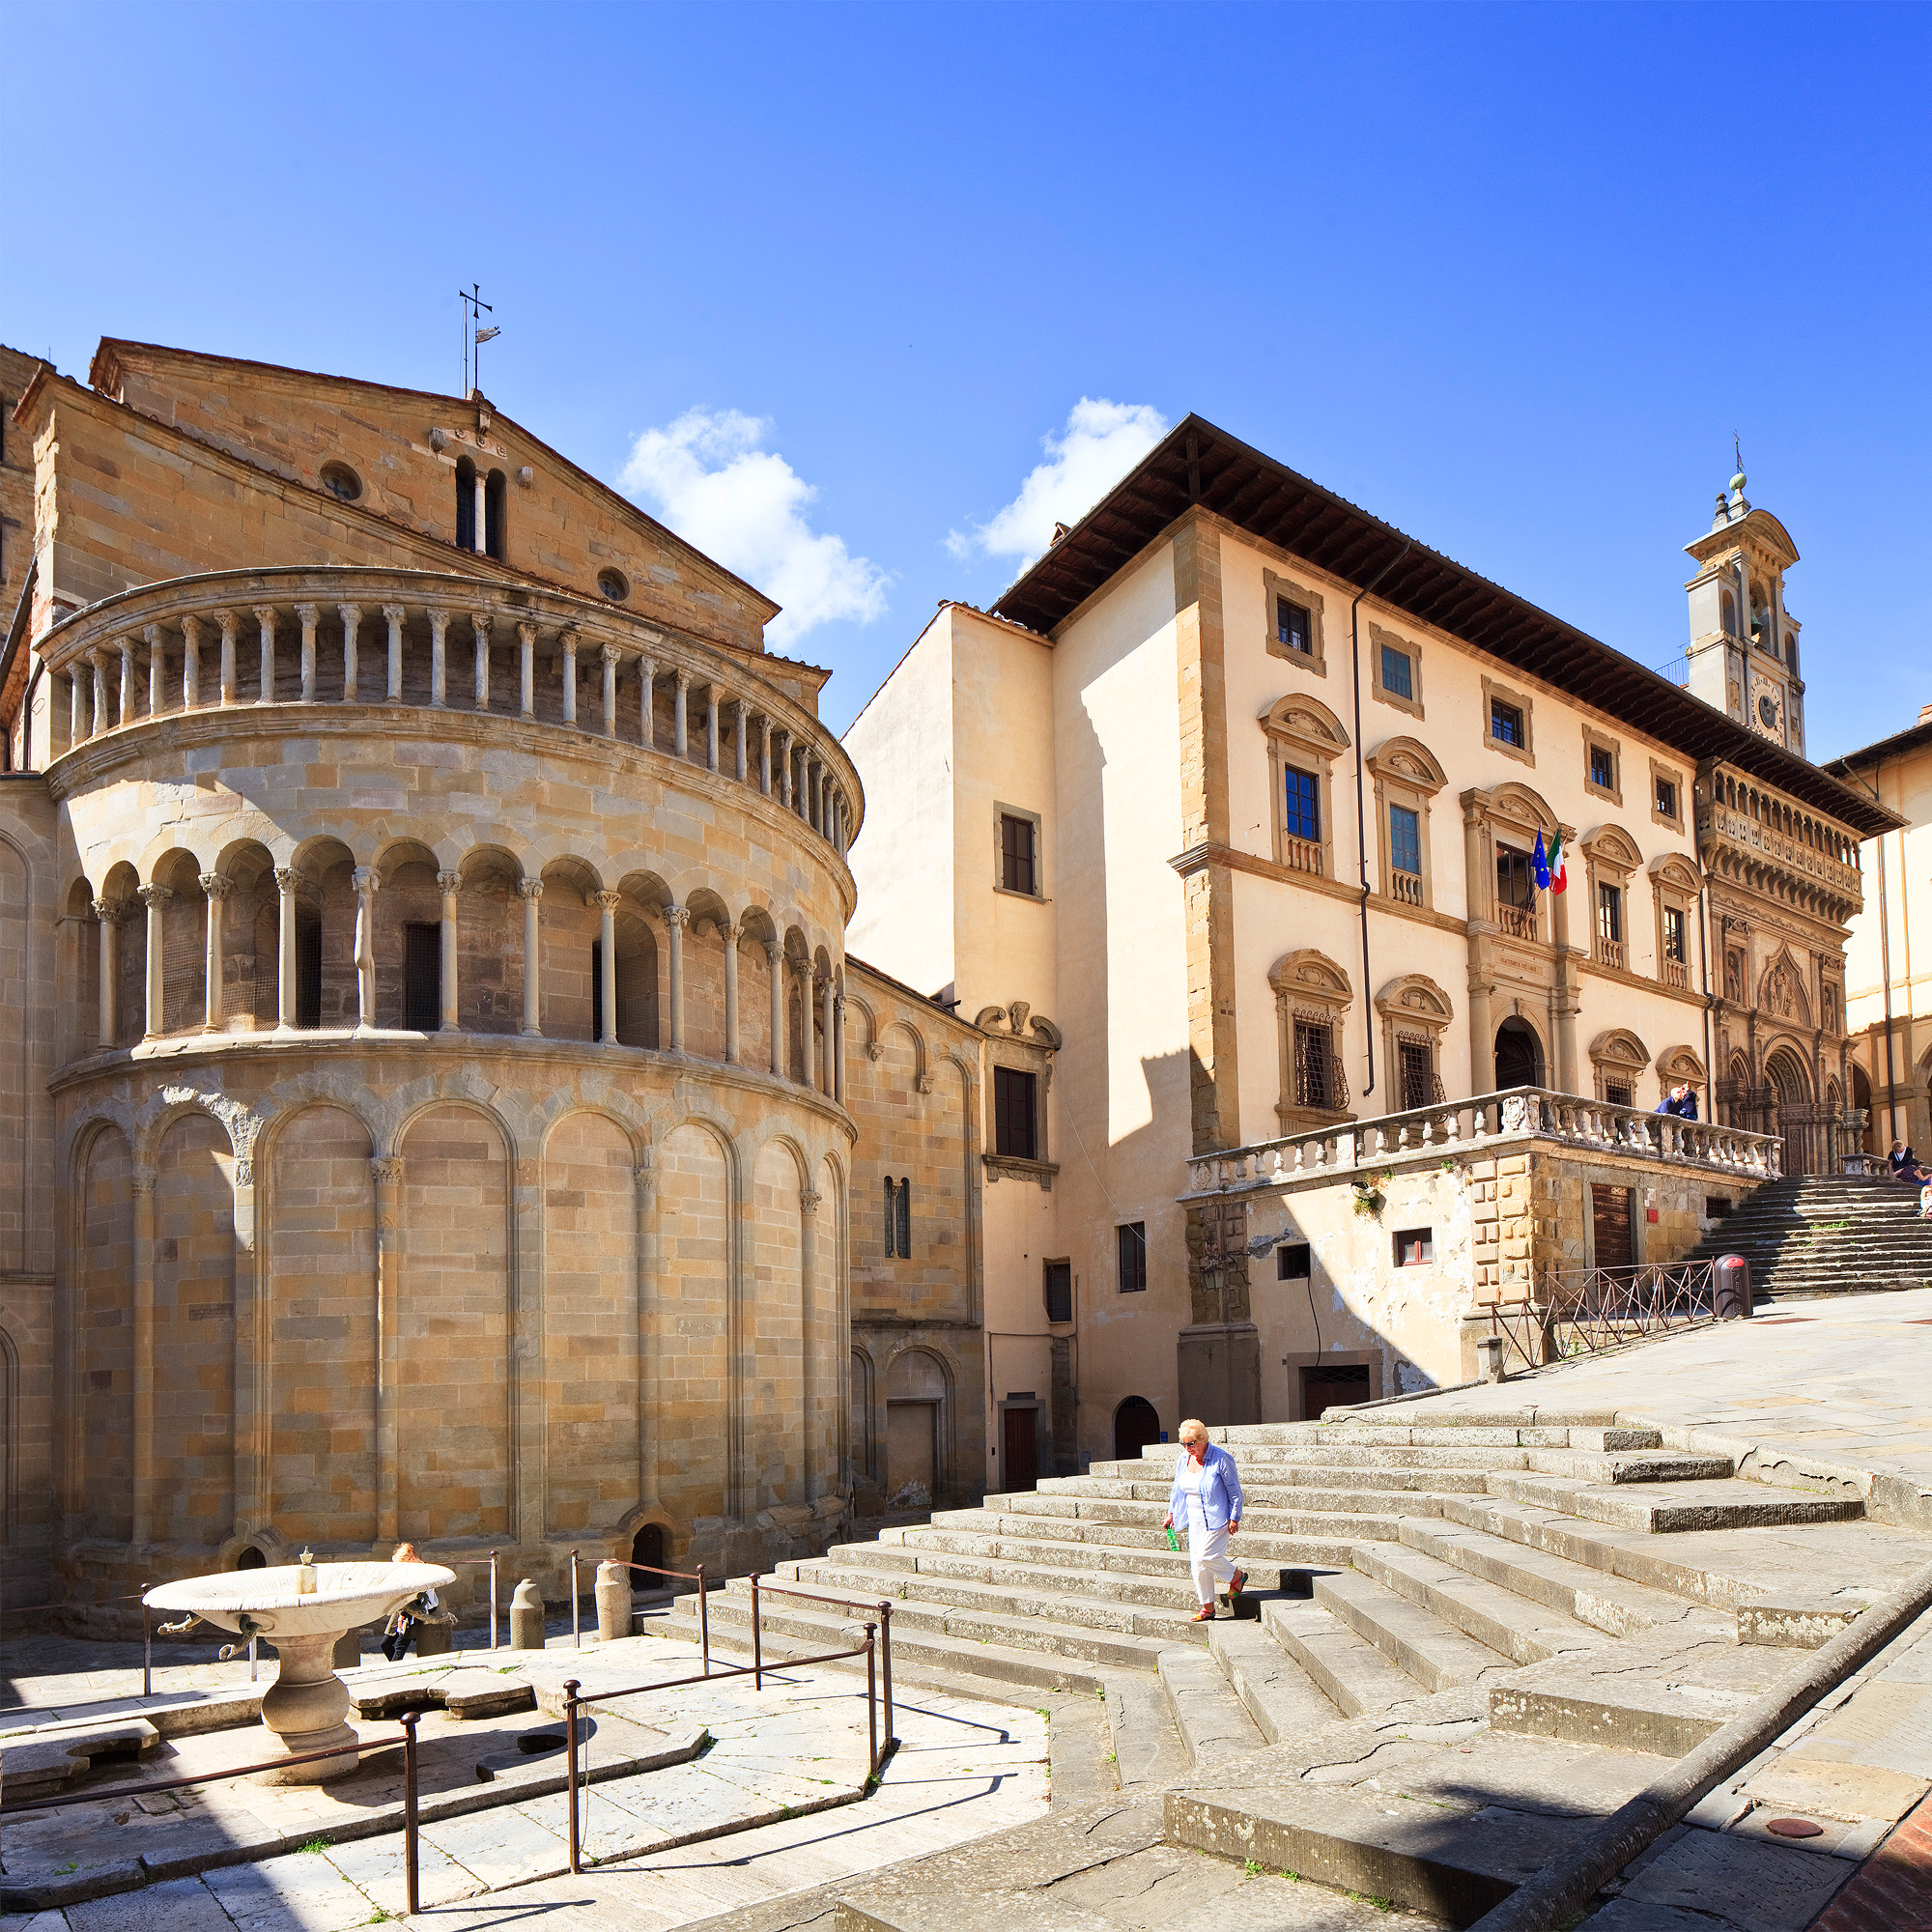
(1208, 1497)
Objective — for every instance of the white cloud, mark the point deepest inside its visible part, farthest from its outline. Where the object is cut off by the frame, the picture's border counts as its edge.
(1101, 443)
(708, 479)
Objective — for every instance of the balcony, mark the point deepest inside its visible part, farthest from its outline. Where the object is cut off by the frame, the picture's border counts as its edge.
(1495, 1123)
(1611, 952)
(1518, 922)
(1674, 973)
(1773, 845)
(1405, 888)
(1301, 855)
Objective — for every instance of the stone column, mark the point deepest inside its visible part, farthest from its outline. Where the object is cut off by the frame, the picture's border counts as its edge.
(144, 1359)
(774, 957)
(526, 669)
(351, 653)
(99, 667)
(127, 680)
(447, 884)
(808, 1291)
(439, 663)
(839, 1048)
(765, 757)
(229, 626)
(155, 898)
(365, 882)
(75, 707)
(681, 716)
(824, 1055)
(648, 707)
(214, 1004)
(479, 630)
(157, 666)
(531, 891)
(610, 656)
(284, 946)
(393, 615)
(190, 664)
(675, 919)
(784, 769)
(388, 1178)
(106, 913)
(1481, 1033)
(607, 961)
(308, 613)
(711, 728)
(812, 792)
(264, 618)
(647, 1179)
(569, 642)
(481, 520)
(741, 715)
(730, 933)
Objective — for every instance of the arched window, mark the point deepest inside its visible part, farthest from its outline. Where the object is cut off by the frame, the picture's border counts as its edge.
(898, 1218)
(1136, 1424)
(466, 503)
(1730, 616)
(495, 505)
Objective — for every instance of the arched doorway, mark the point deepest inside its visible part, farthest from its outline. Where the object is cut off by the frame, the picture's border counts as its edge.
(1861, 1098)
(648, 1550)
(1518, 1056)
(251, 1558)
(1136, 1424)
(1797, 1115)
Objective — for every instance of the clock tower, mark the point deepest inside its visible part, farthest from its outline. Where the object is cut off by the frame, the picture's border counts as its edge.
(1744, 642)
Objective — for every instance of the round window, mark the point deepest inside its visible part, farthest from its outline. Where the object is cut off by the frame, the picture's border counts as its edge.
(341, 482)
(1767, 709)
(613, 585)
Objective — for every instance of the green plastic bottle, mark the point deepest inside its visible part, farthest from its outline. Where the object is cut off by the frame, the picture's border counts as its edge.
(1173, 1541)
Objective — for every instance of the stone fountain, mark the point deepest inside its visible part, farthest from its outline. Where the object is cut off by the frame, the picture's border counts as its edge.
(303, 1609)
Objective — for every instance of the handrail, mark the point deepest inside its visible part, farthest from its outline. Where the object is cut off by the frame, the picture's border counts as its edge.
(409, 1810)
(1583, 1311)
(882, 1604)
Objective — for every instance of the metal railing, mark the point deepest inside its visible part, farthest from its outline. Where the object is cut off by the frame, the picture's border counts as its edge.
(410, 1805)
(876, 1649)
(1587, 1310)
(650, 1570)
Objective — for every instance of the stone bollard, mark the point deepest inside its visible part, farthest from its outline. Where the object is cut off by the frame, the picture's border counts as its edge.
(1490, 1357)
(613, 1602)
(526, 1618)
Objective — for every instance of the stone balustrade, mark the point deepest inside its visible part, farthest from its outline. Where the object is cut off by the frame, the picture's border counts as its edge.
(387, 638)
(1524, 1114)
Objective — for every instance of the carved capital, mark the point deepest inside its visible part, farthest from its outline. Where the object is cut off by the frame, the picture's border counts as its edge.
(387, 1170)
(395, 614)
(191, 630)
(683, 677)
(773, 952)
(285, 880)
(141, 1180)
(266, 615)
(155, 897)
(874, 1050)
(530, 888)
(350, 616)
(365, 879)
(568, 640)
(216, 884)
(150, 635)
(923, 1083)
(677, 915)
(309, 614)
(228, 621)
(527, 635)
(606, 902)
(439, 622)
(808, 1198)
(479, 622)
(448, 882)
(741, 707)
(612, 655)
(107, 911)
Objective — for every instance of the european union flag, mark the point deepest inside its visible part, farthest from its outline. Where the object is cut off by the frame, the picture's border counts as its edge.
(1541, 861)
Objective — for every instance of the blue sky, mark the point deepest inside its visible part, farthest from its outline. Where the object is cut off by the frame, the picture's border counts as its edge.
(818, 281)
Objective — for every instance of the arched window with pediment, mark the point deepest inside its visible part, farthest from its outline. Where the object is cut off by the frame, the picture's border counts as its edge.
(1303, 738)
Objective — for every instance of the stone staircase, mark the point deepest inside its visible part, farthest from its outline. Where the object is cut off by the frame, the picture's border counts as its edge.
(1825, 1235)
(1531, 1599)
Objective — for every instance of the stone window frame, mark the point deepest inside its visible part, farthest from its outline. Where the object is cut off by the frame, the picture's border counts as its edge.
(1674, 886)
(1618, 1054)
(1021, 1056)
(1494, 692)
(1309, 984)
(1610, 858)
(1595, 738)
(1405, 773)
(1380, 639)
(1038, 896)
(1273, 586)
(1662, 774)
(1412, 1005)
(1684, 1063)
(1303, 733)
(1512, 814)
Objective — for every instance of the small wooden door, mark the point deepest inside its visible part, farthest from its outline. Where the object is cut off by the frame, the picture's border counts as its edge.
(1019, 1449)
(1610, 1223)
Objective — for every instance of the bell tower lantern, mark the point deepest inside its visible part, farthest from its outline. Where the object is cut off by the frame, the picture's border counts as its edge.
(1744, 642)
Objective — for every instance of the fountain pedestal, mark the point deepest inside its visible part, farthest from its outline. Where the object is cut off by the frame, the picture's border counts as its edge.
(306, 1707)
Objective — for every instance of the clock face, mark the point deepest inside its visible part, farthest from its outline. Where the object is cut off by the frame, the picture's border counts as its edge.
(1767, 710)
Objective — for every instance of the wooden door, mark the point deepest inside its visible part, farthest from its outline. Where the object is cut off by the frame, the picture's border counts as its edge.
(1610, 1222)
(1019, 1449)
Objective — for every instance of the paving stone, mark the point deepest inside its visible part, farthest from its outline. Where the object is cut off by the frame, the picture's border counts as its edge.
(179, 1905)
(1749, 1884)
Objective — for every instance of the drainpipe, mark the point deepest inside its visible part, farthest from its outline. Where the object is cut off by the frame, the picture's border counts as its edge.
(1361, 809)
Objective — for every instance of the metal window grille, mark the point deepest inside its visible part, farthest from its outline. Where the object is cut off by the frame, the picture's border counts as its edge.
(892, 1219)
(1415, 1069)
(1619, 1094)
(1060, 1290)
(1017, 870)
(308, 973)
(1319, 1079)
(902, 1217)
(422, 977)
(1398, 673)
(1132, 1243)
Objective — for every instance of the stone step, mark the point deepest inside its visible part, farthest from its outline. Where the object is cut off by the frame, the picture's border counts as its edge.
(1281, 1697)
(1511, 1627)
(1349, 1671)
(1211, 1721)
(1266, 1493)
(1111, 1546)
(1506, 1414)
(1333, 1476)
(1599, 1601)
(1148, 1752)
(1264, 1521)
(1581, 1466)
(1685, 1505)
(1433, 1653)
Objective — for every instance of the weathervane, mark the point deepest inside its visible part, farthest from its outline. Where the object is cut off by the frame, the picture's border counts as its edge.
(475, 309)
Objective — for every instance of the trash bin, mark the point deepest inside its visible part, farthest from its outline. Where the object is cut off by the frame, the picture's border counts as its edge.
(1733, 1289)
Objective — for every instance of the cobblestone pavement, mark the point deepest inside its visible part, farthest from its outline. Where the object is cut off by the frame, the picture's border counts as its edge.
(1842, 1383)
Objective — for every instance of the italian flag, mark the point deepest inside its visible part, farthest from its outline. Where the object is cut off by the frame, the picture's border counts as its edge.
(1552, 874)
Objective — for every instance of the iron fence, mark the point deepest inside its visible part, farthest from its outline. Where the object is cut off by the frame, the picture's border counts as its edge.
(1583, 1311)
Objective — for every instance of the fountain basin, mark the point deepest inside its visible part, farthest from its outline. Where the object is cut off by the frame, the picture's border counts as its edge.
(305, 1708)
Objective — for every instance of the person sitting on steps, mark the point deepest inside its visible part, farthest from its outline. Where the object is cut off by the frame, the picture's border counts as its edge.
(1905, 1165)
(1208, 1493)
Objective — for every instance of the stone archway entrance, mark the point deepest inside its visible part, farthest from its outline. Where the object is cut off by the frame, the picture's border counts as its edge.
(1804, 1124)
(1518, 1056)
